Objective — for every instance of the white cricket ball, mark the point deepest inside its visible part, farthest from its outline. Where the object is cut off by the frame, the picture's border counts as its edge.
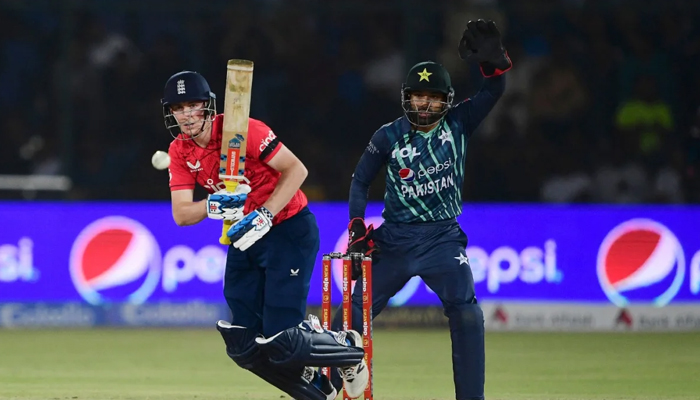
(160, 160)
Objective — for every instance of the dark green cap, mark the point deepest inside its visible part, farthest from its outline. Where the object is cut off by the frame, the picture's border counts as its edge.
(428, 75)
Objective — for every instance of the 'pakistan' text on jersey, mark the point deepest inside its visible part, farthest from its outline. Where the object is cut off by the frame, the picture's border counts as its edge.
(424, 171)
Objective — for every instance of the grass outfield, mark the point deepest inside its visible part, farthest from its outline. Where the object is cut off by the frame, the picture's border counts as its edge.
(191, 364)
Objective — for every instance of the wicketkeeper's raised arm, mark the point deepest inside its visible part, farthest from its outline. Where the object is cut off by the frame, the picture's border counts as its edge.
(476, 108)
(481, 43)
(370, 163)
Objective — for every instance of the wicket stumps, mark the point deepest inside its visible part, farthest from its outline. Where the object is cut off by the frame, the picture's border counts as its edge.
(347, 306)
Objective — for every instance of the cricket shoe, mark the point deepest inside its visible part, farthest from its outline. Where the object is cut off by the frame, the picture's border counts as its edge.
(321, 382)
(355, 377)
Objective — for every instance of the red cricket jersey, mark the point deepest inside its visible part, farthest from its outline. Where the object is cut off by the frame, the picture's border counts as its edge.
(190, 164)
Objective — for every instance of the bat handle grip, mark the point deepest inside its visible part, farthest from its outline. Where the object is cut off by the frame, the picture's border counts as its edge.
(224, 239)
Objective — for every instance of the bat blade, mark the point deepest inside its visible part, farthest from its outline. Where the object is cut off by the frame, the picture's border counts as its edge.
(239, 83)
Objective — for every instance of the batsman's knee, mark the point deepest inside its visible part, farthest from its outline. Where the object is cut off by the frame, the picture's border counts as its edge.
(240, 344)
(310, 345)
(300, 383)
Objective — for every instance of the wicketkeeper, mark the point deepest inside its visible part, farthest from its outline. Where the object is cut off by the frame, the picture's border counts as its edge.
(424, 153)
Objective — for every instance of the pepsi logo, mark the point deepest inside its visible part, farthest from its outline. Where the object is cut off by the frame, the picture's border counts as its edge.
(641, 261)
(407, 174)
(115, 259)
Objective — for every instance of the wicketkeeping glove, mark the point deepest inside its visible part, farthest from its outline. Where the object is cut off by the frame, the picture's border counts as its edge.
(360, 241)
(250, 229)
(481, 42)
(227, 205)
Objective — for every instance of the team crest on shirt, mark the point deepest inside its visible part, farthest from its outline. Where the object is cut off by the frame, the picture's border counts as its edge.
(445, 136)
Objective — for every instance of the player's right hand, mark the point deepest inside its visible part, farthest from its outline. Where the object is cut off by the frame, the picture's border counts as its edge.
(360, 240)
(225, 205)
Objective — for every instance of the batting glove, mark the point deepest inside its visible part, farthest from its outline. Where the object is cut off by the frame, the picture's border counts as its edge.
(250, 229)
(227, 205)
(481, 42)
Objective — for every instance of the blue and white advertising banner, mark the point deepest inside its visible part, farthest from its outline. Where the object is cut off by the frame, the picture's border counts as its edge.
(97, 254)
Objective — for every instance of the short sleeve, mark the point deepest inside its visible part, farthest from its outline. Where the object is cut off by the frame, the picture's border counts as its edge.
(180, 177)
(263, 144)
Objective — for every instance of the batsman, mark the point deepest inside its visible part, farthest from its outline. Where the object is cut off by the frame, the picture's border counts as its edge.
(424, 154)
(274, 243)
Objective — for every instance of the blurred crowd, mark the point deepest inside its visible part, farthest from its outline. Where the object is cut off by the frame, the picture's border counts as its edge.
(602, 105)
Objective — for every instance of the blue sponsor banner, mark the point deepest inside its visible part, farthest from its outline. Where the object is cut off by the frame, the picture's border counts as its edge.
(79, 314)
(95, 254)
(72, 314)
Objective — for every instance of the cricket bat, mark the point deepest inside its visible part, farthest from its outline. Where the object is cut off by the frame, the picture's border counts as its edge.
(239, 82)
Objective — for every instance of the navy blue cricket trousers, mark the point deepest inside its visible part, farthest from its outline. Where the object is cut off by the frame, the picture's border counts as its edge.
(435, 251)
(266, 286)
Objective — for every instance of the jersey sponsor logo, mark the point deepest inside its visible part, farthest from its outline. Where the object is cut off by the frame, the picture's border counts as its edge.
(407, 174)
(423, 189)
(435, 169)
(196, 167)
(267, 140)
(408, 151)
(215, 186)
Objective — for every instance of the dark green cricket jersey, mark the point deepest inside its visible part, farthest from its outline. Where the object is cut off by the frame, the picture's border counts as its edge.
(425, 171)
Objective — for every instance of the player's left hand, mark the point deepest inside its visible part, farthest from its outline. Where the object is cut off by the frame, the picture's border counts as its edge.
(360, 240)
(481, 42)
(250, 229)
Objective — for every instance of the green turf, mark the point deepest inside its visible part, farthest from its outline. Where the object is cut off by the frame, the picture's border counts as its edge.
(191, 364)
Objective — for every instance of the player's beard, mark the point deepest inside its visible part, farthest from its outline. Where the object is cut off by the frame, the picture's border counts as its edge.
(432, 114)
